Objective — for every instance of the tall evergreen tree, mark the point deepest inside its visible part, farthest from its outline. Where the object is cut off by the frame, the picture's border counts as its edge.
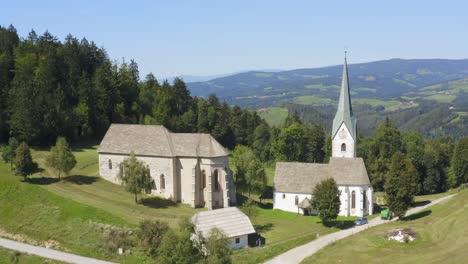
(460, 163)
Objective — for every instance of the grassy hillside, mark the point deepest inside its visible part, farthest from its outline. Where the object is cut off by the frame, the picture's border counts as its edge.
(442, 237)
(9, 257)
(274, 116)
(86, 187)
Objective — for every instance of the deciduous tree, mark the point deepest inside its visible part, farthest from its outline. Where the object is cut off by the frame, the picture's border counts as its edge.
(326, 199)
(61, 157)
(135, 176)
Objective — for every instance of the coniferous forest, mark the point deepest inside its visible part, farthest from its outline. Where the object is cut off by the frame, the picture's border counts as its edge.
(71, 88)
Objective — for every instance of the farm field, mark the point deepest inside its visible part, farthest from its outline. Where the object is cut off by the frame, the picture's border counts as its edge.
(441, 232)
(274, 116)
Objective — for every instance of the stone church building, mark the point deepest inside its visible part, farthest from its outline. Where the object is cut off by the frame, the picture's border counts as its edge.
(294, 181)
(186, 167)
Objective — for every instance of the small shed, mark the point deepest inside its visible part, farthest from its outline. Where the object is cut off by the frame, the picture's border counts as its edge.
(306, 207)
(231, 221)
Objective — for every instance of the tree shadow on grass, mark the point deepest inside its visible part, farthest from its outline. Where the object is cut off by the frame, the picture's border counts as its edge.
(157, 202)
(42, 180)
(263, 228)
(80, 179)
(421, 203)
(340, 224)
(417, 215)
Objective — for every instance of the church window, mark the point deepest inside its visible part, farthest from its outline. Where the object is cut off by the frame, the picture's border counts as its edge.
(284, 196)
(216, 180)
(364, 201)
(204, 178)
(162, 182)
(343, 147)
(296, 200)
(110, 164)
(353, 199)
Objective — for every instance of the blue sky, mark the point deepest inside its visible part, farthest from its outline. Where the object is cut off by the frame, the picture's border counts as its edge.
(212, 37)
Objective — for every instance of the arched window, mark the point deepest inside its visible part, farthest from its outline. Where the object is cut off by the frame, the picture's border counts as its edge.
(353, 199)
(216, 180)
(296, 200)
(110, 164)
(203, 178)
(343, 147)
(162, 182)
(284, 196)
(364, 200)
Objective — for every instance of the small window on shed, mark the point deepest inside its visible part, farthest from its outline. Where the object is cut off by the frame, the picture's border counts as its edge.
(237, 240)
(296, 200)
(110, 164)
(343, 147)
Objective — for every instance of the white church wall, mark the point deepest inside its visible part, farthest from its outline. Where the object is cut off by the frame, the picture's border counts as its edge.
(287, 201)
(187, 183)
(158, 166)
(343, 136)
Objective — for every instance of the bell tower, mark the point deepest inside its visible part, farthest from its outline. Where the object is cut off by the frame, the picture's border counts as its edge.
(344, 124)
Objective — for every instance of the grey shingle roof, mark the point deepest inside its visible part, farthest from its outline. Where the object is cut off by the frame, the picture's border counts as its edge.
(344, 113)
(232, 221)
(297, 177)
(152, 140)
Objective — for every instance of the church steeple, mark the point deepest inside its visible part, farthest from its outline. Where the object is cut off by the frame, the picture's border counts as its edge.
(344, 121)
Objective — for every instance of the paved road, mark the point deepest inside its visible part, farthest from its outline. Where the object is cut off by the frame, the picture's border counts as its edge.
(48, 253)
(296, 255)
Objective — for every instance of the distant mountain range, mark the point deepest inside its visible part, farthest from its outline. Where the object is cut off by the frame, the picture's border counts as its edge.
(426, 95)
(199, 78)
(380, 80)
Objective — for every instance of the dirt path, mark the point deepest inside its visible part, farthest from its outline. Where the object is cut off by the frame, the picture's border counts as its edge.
(296, 255)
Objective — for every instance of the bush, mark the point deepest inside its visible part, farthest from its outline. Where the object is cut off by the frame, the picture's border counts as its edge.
(117, 238)
(150, 235)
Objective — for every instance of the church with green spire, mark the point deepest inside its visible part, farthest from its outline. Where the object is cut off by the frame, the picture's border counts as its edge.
(294, 181)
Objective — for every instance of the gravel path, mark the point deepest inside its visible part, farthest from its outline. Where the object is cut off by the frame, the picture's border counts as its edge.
(296, 255)
(48, 253)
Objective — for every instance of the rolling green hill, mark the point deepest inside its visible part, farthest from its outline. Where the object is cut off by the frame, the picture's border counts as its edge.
(441, 232)
(385, 79)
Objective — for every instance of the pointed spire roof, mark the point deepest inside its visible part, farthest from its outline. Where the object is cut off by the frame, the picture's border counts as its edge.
(344, 113)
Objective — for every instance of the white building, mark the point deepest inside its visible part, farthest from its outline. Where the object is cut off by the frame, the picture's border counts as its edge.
(187, 168)
(295, 181)
(231, 221)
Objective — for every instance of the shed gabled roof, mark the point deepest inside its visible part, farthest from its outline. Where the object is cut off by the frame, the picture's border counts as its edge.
(153, 140)
(297, 177)
(231, 221)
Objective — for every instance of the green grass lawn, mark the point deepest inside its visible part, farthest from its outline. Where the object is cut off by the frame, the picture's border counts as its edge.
(442, 237)
(283, 231)
(275, 116)
(86, 187)
(9, 256)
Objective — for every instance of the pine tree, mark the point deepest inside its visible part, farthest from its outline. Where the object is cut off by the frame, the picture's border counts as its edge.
(24, 165)
(460, 163)
(401, 184)
(9, 151)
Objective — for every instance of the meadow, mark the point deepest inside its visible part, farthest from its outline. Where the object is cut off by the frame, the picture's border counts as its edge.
(441, 237)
